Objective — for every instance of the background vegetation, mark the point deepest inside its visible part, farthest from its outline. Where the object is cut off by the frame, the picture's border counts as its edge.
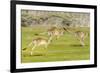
(31, 18)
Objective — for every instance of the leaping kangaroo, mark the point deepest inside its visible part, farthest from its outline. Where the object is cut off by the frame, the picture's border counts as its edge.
(38, 42)
(80, 35)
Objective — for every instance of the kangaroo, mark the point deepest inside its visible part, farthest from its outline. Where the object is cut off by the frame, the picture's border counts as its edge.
(38, 42)
(80, 35)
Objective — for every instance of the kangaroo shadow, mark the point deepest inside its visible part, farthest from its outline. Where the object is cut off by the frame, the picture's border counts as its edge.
(78, 45)
(37, 55)
(26, 55)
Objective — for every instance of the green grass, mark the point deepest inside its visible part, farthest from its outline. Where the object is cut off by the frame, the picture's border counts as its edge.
(66, 48)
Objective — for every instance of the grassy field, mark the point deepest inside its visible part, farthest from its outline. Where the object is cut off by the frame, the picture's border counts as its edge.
(66, 48)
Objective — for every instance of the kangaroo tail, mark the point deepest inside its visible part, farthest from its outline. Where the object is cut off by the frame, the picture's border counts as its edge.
(24, 48)
(27, 46)
(40, 33)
